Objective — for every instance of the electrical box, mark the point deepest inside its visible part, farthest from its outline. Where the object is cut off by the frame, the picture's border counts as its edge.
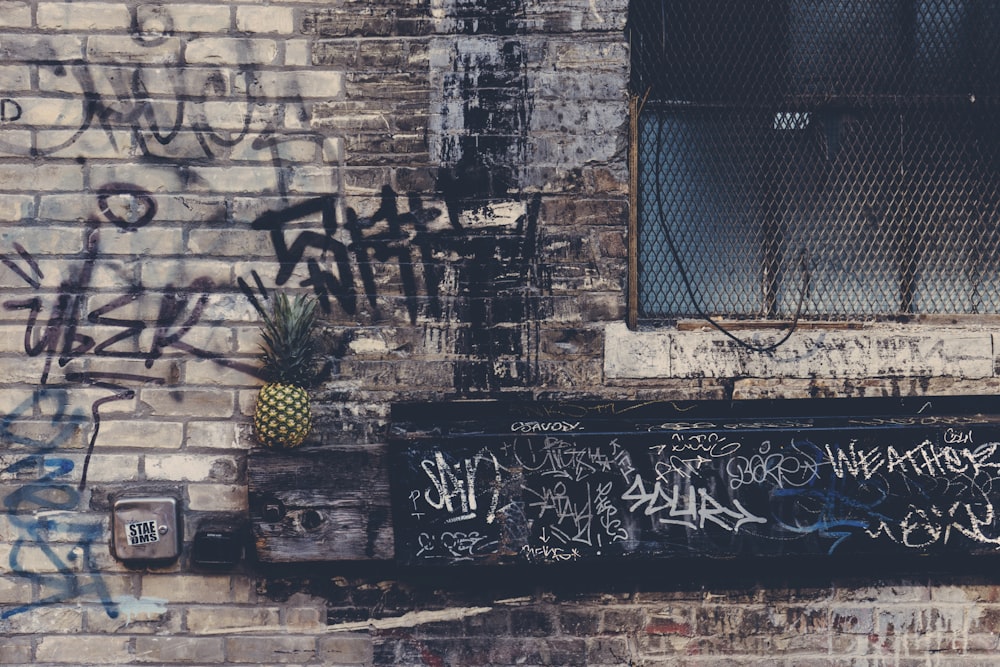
(145, 529)
(216, 546)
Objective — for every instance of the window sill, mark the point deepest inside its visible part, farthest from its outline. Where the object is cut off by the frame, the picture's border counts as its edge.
(964, 350)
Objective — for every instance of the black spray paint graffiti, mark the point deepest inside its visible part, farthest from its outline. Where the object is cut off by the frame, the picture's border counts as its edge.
(338, 282)
(10, 110)
(493, 270)
(60, 330)
(65, 334)
(489, 144)
(154, 122)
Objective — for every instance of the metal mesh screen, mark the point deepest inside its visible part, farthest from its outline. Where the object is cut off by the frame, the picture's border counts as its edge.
(829, 159)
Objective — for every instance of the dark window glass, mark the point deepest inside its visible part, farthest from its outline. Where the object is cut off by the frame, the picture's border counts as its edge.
(830, 159)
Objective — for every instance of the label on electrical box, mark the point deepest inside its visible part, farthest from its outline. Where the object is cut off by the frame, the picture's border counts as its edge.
(142, 532)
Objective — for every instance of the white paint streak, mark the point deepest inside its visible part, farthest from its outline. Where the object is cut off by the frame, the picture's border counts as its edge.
(249, 628)
(593, 10)
(521, 600)
(410, 619)
(132, 608)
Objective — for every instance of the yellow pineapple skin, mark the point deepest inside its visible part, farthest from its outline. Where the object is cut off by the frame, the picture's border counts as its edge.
(283, 415)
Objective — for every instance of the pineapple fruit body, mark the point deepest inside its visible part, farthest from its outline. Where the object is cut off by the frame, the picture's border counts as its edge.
(283, 416)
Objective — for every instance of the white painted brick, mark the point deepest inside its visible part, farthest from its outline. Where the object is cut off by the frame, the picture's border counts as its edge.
(118, 586)
(104, 468)
(152, 178)
(54, 272)
(83, 16)
(247, 404)
(314, 180)
(188, 403)
(183, 17)
(285, 148)
(138, 616)
(157, 275)
(45, 620)
(95, 143)
(203, 337)
(234, 179)
(11, 341)
(15, 14)
(333, 150)
(230, 51)
(180, 649)
(635, 355)
(268, 271)
(37, 112)
(162, 369)
(190, 208)
(236, 115)
(248, 340)
(121, 274)
(143, 242)
(229, 243)
(295, 84)
(124, 49)
(197, 82)
(247, 209)
(210, 373)
(269, 19)
(13, 78)
(14, 208)
(179, 588)
(66, 208)
(44, 177)
(183, 146)
(32, 48)
(14, 589)
(232, 307)
(298, 53)
(192, 468)
(996, 357)
(17, 651)
(84, 649)
(212, 619)
(19, 369)
(70, 79)
(911, 351)
(142, 434)
(217, 497)
(113, 85)
(214, 435)
(15, 143)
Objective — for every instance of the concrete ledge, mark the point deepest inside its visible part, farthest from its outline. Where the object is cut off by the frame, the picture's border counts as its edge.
(878, 351)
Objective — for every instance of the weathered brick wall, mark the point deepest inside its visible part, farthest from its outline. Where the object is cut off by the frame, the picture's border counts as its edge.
(449, 177)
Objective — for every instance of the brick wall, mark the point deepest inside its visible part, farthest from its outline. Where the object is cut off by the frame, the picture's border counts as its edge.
(449, 178)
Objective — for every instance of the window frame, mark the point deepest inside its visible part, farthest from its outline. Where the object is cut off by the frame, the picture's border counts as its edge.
(634, 315)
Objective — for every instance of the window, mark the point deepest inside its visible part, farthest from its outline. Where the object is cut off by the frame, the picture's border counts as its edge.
(822, 159)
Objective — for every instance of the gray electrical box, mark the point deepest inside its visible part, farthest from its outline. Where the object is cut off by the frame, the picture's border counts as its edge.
(145, 529)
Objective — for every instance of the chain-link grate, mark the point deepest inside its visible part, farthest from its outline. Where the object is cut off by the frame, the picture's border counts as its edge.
(829, 159)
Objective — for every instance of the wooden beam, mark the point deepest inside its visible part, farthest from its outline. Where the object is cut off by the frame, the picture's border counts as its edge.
(329, 504)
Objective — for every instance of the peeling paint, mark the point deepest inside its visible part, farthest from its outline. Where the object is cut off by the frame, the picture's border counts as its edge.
(134, 609)
(410, 619)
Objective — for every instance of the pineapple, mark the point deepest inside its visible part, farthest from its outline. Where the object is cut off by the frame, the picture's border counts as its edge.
(283, 416)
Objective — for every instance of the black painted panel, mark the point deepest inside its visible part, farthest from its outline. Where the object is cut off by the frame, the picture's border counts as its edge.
(543, 482)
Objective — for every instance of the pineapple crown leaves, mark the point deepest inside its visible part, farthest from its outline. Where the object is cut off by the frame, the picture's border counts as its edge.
(289, 349)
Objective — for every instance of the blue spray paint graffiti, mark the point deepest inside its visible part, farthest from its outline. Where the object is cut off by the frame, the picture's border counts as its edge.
(33, 506)
(60, 332)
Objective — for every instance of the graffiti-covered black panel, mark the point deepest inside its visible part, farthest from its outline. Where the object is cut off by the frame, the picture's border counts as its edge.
(549, 482)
